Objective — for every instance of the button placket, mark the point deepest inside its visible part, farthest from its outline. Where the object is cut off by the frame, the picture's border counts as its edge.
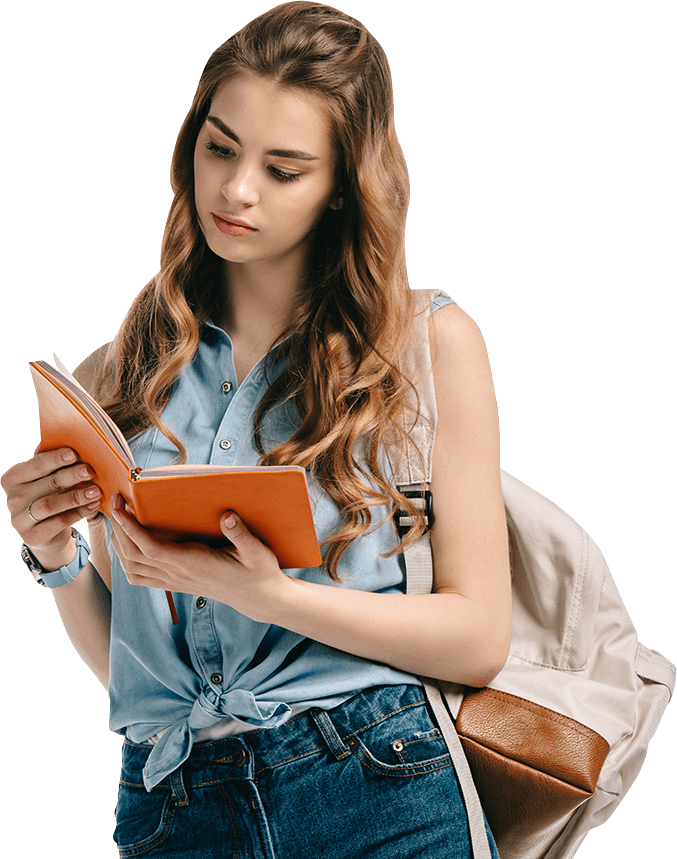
(207, 648)
(232, 440)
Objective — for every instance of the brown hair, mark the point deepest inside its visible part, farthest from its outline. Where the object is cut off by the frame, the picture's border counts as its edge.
(340, 372)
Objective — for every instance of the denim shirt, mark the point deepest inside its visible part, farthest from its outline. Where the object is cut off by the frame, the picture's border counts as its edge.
(217, 667)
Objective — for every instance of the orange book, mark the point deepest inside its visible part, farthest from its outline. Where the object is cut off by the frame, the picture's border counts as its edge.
(177, 502)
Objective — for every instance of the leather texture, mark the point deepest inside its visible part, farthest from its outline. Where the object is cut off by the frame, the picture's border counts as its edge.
(560, 735)
(547, 764)
(507, 725)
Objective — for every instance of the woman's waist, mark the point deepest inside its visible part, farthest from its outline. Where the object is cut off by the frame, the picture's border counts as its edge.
(306, 733)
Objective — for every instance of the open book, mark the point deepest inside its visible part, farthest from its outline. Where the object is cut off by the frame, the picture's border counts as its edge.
(177, 502)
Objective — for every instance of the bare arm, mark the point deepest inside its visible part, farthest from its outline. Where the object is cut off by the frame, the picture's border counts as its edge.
(84, 607)
(461, 631)
(56, 488)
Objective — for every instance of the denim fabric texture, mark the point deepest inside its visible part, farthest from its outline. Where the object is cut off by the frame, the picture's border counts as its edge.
(218, 672)
(369, 779)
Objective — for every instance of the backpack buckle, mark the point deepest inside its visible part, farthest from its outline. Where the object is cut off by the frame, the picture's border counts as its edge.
(423, 499)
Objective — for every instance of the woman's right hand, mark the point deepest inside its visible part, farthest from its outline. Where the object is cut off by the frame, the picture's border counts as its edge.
(45, 496)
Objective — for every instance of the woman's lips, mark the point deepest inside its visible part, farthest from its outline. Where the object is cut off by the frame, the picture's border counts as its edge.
(232, 227)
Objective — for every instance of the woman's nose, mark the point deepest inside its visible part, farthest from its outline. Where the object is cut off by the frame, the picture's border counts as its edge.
(240, 187)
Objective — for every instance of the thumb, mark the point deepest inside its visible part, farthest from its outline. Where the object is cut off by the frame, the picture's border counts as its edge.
(234, 528)
(249, 550)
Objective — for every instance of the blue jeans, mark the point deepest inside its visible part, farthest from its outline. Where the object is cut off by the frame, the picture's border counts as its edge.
(371, 778)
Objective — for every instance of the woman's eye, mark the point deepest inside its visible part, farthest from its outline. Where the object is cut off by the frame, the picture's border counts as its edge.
(282, 176)
(226, 153)
(219, 151)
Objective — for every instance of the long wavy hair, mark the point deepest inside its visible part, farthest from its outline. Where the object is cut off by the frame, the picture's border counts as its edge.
(354, 309)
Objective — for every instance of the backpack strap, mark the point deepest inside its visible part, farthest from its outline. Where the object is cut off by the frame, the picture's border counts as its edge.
(411, 462)
(411, 457)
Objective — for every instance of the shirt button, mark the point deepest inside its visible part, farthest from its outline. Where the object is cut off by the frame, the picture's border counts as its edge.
(216, 679)
(200, 602)
(224, 444)
(225, 387)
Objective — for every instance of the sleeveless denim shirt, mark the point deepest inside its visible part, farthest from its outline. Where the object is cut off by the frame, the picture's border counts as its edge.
(217, 669)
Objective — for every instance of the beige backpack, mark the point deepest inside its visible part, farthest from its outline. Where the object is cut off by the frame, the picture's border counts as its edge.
(550, 748)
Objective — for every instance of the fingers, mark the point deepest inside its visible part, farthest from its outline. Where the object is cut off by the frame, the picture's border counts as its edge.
(137, 572)
(134, 543)
(131, 542)
(191, 567)
(39, 466)
(248, 547)
(49, 493)
(85, 499)
(46, 474)
(233, 527)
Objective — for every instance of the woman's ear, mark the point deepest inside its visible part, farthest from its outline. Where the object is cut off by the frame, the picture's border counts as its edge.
(336, 203)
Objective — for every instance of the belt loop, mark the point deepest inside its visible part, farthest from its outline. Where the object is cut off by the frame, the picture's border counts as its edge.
(330, 734)
(178, 788)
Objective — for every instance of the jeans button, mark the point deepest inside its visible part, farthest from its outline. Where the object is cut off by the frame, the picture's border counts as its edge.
(239, 758)
(217, 679)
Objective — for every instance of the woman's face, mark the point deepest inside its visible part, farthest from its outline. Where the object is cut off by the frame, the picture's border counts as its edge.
(264, 171)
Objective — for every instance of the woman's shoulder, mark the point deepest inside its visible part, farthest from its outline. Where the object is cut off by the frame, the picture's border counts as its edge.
(428, 301)
(450, 328)
(88, 371)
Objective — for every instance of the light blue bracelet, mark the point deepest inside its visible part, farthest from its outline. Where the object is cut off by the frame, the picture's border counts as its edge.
(67, 573)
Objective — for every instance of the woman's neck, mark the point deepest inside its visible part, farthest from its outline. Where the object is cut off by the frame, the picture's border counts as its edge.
(257, 301)
(260, 299)
(259, 307)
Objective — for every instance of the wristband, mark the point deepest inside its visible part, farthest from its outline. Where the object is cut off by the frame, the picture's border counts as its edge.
(64, 575)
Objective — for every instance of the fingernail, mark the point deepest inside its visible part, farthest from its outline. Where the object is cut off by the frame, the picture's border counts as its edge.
(92, 506)
(229, 522)
(68, 456)
(118, 507)
(94, 492)
(84, 472)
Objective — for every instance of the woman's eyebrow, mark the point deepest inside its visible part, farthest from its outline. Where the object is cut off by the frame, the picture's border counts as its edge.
(297, 154)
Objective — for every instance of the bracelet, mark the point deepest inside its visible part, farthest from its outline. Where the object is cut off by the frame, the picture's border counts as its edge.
(64, 575)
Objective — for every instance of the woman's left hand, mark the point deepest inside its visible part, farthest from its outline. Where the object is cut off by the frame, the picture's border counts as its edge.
(244, 575)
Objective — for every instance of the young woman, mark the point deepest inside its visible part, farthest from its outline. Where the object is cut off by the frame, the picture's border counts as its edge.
(284, 703)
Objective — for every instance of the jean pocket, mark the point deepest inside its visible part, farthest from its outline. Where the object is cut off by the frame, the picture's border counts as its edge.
(405, 743)
(143, 820)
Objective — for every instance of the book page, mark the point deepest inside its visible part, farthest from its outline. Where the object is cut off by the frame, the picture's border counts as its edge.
(70, 386)
(180, 470)
(61, 367)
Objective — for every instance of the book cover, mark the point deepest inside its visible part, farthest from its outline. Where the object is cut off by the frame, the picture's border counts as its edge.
(177, 502)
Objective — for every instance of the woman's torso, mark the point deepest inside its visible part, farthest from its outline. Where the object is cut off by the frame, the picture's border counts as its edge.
(218, 672)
